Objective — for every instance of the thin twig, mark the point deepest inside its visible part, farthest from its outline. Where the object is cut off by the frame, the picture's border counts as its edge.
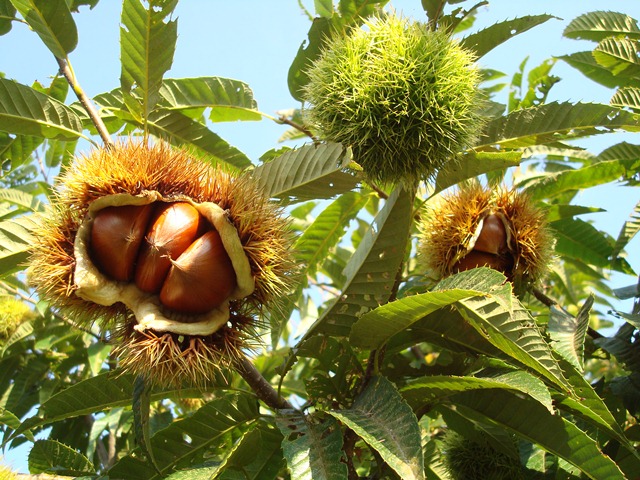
(65, 70)
(381, 193)
(263, 389)
(287, 121)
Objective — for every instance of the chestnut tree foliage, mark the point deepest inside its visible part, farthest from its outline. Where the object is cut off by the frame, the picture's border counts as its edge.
(380, 364)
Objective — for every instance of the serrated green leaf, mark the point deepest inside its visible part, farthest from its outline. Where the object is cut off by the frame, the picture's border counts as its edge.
(376, 327)
(21, 199)
(24, 330)
(581, 240)
(587, 65)
(487, 39)
(371, 271)
(474, 163)
(598, 25)
(558, 212)
(308, 52)
(307, 173)
(198, 473)
(619, 55)
(624, 350)
(432, 389)
(147, 45)
(329, 226)
(229, 100)
(553, 122)
(568, 333)
(386, 423)
(52, 21)
(312, 448)
(177, 445)
(182, 131)
(25, 111)
(528, 419)
(627, 97)
(10, 420)
(629, 230)
(502, 320)
(50, 456)
(557, 183)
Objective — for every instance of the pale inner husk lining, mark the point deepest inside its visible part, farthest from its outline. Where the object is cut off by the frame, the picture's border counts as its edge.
(95, 287)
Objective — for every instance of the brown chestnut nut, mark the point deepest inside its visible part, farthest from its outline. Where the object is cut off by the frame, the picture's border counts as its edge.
(116, 236)
(174, 227)
(493, 236)
(201, 278)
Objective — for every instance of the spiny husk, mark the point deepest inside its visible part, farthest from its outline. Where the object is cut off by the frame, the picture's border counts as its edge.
(467, 458)
(136, 169)
(450, 223)
(168, 359)
(403, 96)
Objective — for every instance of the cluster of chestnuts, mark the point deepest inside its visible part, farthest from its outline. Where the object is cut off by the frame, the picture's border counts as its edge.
(173, 257)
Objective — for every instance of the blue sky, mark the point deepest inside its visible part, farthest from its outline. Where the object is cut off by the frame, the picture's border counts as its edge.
(256, 40)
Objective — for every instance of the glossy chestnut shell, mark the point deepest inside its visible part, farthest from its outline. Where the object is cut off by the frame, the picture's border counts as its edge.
(166, 248)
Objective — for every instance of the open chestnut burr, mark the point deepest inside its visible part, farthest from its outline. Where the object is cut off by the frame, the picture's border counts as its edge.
(477, 226)
(176, 259)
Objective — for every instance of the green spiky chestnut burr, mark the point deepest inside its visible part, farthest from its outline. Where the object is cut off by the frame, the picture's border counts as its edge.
(477, 226)
(403, 96)
(173, 257)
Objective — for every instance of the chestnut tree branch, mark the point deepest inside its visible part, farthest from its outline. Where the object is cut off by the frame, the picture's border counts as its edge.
(263, 389)
(65, 70)
(287, 121)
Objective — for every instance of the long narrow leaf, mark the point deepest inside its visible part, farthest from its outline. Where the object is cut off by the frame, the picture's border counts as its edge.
(147, 44)
(487, 39)
(52, 21)
(568, 333)
(619, 55)
(587, 65)
(372, 269)
(25, 111)
(229, 100)
(627, 97)
(553, 122)
(327, 229)
(581, 240)
(629, 230)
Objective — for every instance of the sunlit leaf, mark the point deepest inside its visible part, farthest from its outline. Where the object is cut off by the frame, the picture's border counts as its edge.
(229, 100)
(629, 230)
(587, 65)
(568, 333)
(52, 21)
(313, 448)
(372, 269)
(619, 55)
(376, 327)
(387, 424)
(554, 122)
(147, 44)
(579, 239)
(472, 164)
(599, 25)
(433, 389)
(557, 183)
(627, 97)
(24, 111)
(307, 173)
(327, 229)
(487, 39)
